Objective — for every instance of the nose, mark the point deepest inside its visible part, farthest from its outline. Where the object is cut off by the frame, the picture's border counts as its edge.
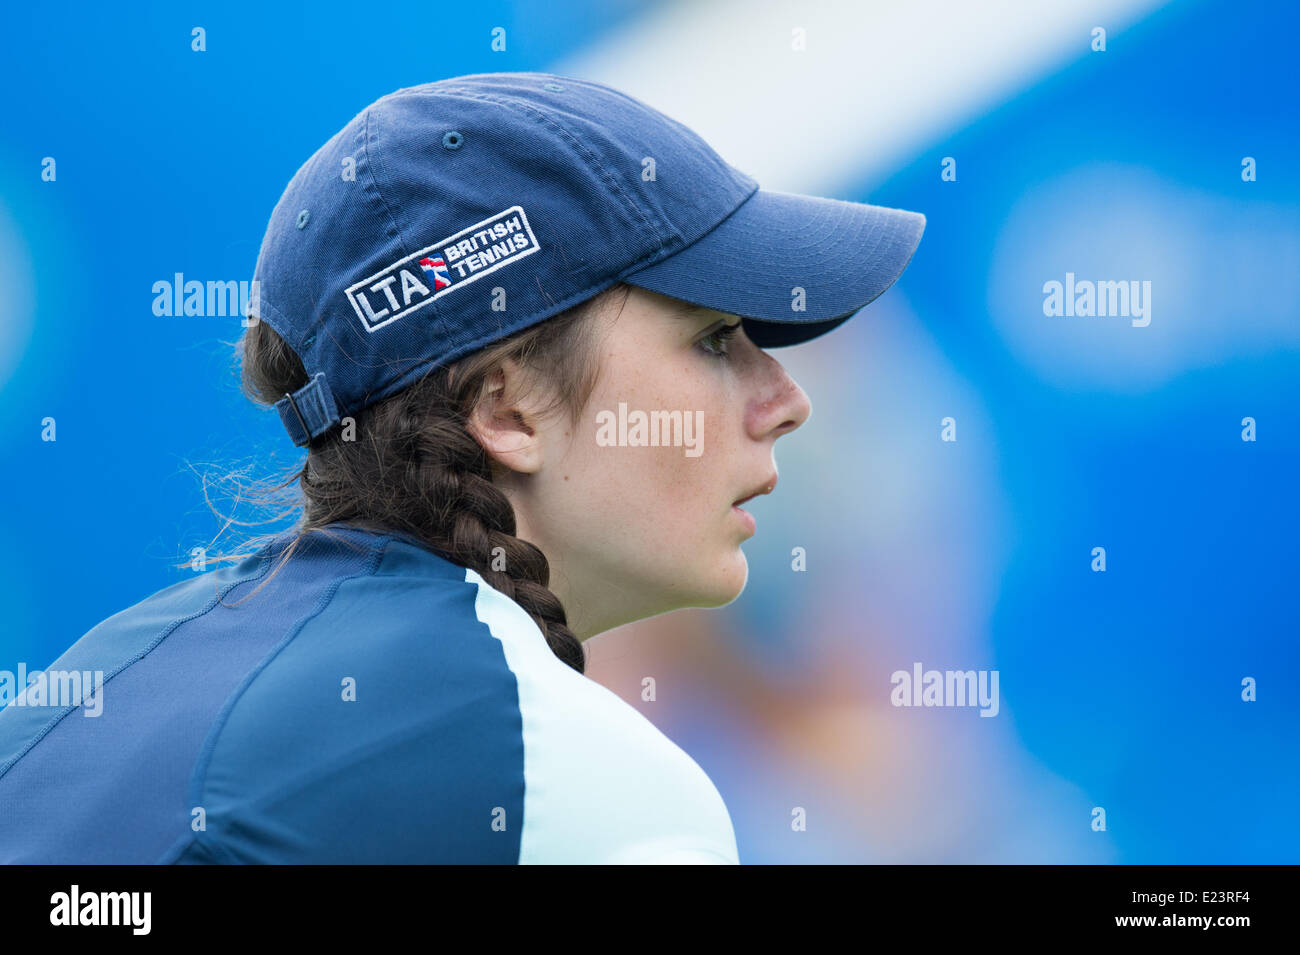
(780, 407)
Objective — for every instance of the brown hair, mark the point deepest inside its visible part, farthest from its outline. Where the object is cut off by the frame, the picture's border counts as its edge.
(411, 466)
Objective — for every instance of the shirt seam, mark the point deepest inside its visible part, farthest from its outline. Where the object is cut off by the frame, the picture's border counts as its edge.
(149, 648)
(203, 762)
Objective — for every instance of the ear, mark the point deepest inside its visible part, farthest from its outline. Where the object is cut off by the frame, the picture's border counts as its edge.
(506, 425)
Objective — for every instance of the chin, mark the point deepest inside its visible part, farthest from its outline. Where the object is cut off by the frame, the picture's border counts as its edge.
(726, 585)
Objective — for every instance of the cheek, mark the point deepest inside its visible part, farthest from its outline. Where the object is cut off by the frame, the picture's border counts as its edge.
(646, 495)
(659, 502)
(675, 502)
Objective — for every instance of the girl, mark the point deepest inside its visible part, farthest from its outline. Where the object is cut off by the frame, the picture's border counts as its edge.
(518, 322)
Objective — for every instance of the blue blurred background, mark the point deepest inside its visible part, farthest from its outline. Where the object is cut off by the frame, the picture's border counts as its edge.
(1119, 690)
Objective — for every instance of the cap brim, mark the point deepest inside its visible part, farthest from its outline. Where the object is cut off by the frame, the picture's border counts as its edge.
(843, 255)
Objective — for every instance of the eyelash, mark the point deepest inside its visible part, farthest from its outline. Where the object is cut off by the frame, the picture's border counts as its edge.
(723, 336)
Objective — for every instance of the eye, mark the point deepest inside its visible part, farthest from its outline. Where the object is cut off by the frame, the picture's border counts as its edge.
(715, 343)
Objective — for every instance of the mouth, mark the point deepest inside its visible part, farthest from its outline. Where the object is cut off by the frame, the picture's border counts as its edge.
(765, 488)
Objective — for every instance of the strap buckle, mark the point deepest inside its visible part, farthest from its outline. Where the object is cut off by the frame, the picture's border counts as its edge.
(309, 411)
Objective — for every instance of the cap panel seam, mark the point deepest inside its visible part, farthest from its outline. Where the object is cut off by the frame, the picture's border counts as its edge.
(371, 162)
(592, 160)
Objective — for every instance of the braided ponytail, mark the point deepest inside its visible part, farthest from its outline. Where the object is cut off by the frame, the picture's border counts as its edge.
(413, 467)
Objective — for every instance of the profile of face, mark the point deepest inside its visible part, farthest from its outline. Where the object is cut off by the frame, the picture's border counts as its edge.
(635, 508)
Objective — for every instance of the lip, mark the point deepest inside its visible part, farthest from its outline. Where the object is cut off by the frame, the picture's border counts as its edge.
(746, 517)
(767, 487)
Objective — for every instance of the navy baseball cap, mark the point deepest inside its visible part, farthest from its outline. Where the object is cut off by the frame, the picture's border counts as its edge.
(447, 216)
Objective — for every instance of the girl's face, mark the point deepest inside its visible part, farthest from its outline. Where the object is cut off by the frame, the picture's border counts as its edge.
(635, 508)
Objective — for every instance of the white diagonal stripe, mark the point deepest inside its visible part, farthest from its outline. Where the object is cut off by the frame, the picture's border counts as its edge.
(878, 80)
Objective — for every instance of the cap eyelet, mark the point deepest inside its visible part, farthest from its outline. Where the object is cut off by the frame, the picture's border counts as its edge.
(307, 341)
(302, 219)
(452, 140)
(553, 88)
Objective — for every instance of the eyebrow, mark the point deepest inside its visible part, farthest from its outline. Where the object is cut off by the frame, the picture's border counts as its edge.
(688, 310)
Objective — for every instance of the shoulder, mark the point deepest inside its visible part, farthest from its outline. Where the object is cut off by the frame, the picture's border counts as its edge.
(385, 729)
(604, 784)
(420, 716)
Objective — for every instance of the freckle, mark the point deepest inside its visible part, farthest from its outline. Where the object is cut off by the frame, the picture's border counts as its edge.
(566, 477)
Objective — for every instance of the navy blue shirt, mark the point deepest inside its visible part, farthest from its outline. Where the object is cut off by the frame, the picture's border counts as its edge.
(372, 702)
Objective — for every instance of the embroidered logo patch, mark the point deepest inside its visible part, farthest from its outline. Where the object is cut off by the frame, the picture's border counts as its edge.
(411, 283)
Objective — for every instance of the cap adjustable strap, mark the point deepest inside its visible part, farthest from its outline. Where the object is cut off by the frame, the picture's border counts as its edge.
(309, 411)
